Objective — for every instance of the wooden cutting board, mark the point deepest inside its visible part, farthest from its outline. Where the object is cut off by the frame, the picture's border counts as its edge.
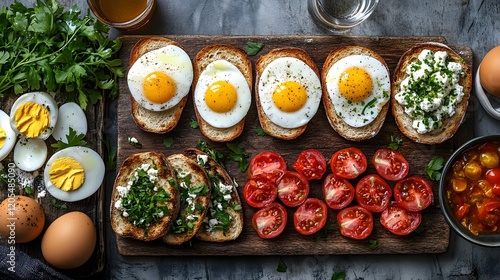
(319, 135)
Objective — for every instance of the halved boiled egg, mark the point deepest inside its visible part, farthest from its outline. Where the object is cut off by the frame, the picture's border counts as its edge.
(159, 79)
(72, 116)
(74, 173)
(30, 153)
(7, 136)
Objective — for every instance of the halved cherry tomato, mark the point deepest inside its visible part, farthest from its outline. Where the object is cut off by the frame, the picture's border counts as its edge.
(413, 193)
(338, 193)
(259, 194)
(390, 164)
(311, 163)
(270, 221)
(355, 222)
(293, 189)
(310, 217)
(267, 166)
(373, 193)
(348, 163)
(399, 220)
(489, 211)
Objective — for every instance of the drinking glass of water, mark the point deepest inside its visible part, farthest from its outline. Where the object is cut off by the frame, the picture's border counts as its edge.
(341, 14)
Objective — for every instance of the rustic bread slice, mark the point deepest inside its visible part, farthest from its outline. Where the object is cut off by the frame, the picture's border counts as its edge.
(338, 124)
(120, 224)
(404, 121)
(194, 189)
(238, 58)
(159, 122)
(267, 125)
(220, 180)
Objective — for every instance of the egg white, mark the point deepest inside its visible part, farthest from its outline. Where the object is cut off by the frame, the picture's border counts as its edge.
(289, 69)
(170, 60)
(94, 169)
(30, 153)
(10, 139)
(222, 70)
(358, 114)
(70, 115)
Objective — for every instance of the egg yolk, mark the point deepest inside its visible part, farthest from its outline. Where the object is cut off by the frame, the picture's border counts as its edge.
(290, 96)
(67, 174)
(32, 119)
(159, 87)
(3, 136)
(221, 97)
(355, 84)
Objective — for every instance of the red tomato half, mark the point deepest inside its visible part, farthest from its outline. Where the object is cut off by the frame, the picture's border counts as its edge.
(270, 221)
(390, 164)
(355, 222)
(348, 163)
(400, 221)
(373, 193)
(413, 193)
(338, 193)
(293, 189)
(310, 217)
(311, 163)
(258, 194)
(267, 166)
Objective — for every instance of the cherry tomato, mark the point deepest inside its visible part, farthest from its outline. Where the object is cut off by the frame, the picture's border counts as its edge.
(489, 211)
(355, 222)
(413, 193)
(399, 220)
(390, 164)
(259, 194)
(293, 189)
(338, 193)
(493, 175)
(310, 217)
(348, 163)
(270, 221)
(311, 163)
(373, 193)
(267, 166)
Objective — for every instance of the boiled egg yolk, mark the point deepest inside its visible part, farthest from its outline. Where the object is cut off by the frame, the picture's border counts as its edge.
(355, 84)
(159, 87)
(32, 119)
(67, 174)
(3, 136)
(221, 97)
(290, 96)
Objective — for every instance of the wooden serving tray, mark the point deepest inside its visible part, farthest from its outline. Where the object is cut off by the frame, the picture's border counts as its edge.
(319, 135)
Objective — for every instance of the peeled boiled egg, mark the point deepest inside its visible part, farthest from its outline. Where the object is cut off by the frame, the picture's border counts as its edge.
(159, 79)
(69, 241)
(7, 136)
(72, 116)
(489, 72)
(74, 173)
(222, 95)
(30, 153)
(22, 219)
(289, 92)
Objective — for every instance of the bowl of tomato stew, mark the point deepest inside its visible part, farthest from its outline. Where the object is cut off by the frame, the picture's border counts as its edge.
(469, 191)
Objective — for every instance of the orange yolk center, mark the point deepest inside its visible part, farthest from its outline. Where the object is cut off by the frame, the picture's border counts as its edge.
(290, 96)
(221, 97)
(355, 84)
(159, 87)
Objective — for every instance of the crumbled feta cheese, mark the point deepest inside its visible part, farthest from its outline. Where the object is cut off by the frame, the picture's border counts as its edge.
(227, 197)
(202, 158)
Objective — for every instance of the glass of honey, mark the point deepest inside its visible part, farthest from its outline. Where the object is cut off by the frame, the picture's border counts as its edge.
(123, 14)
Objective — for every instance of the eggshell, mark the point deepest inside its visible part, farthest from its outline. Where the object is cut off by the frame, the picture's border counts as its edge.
(24, 219)
(69, 241)
(489, 72)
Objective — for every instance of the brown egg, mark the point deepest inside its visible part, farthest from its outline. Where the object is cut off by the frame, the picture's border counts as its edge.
(24, 217)
(69, 241)
(489, 72)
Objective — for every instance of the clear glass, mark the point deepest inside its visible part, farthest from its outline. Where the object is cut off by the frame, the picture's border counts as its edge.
(114, 14)
(341, 14)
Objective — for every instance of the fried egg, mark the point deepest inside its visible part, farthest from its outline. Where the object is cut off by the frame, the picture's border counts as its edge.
(159, 79)
(72, 116)
(359, 86)
(74, 159)
(7, 135)
(222, 95)
(289, 92)
(30, 153)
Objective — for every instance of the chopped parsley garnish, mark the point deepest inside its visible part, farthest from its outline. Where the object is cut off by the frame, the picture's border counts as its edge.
(395, 143)
(54, 203)
(72, 139)
(168, 141)
(369, 105)
(372, 244)
(433, 168)
(259, 131)
(253, 48)
(338, 276)
(134, 142)
(282, 267)
(194, 123)
(239, 155)
(214, 154)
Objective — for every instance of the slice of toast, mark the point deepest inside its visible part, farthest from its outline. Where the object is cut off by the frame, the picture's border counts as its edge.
(121, 224)
(404, 121)
(338, 124)
(224, 199)
(238, 58)
(194, 190)
(158, 122)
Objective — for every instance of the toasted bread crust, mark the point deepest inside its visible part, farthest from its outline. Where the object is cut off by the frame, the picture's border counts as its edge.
(240, 59)
(267, 125)
(404, 121)
(120, 224)
(151, 121)
(337, 123)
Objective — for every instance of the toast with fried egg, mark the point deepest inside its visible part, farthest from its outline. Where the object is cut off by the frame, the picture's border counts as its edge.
(447, 126)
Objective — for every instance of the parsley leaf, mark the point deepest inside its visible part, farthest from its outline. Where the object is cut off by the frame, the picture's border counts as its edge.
(194, 123)
(134, 142)
(259, 131)
(282, 267)
(168, 142)
(253, 48)
(28, 190)
(433, 168)
(338, 276)
(239, 155)
(395, 143)
(214, 154)
(372, 244)
(111, 154)
(72, 139)
(55, 204)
